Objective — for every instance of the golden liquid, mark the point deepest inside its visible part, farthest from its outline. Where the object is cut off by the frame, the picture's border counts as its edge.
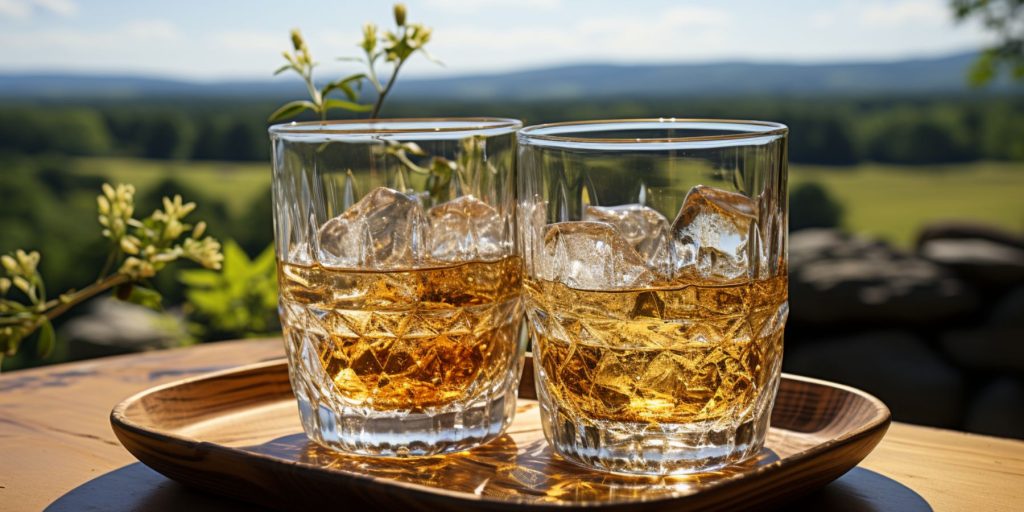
(683, 353)
(406, 339)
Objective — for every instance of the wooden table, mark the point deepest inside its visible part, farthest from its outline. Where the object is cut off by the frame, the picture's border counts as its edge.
(57, 452)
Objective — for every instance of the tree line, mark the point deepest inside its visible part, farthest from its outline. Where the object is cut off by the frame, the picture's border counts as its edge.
(826, 131)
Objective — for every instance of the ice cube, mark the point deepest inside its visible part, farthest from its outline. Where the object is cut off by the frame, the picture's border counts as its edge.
(386, 229)
(464, 229)
(710, 235)
(591, 255)
(644, 228)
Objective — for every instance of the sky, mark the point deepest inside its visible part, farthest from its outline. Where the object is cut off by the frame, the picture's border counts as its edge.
(234, 39)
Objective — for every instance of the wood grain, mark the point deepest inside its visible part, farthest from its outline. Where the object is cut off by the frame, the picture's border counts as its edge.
(57, 451)
(237, 433)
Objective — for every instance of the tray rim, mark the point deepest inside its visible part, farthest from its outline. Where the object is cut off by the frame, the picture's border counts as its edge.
(119, 421)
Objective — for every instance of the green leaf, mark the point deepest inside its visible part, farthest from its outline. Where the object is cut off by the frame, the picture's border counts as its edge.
(266, 262)
(199, 278)
(291, 109)
(343, 85)
(145, 297)
(282, 69)
(983, 70)
(47, 338)
(347, 105)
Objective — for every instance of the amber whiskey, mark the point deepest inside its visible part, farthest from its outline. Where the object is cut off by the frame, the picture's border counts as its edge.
(405, 340)
(683, 353)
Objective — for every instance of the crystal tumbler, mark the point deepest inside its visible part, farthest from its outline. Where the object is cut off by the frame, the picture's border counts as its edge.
(655, 287)
(400, 282)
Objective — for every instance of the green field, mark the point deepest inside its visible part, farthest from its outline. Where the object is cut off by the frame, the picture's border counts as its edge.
(894, 202)
(237, 183)
(885, 201)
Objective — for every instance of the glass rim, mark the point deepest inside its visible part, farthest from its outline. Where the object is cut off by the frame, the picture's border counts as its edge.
(400, 125)
(744, 130)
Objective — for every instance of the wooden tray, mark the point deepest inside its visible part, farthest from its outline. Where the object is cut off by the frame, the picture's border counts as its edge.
(237, 433)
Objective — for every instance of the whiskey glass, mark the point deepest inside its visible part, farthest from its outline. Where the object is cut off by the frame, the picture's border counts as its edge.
(400, 284)
(655, 287)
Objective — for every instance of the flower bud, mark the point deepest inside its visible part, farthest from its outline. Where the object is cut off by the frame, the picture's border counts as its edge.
(22, 284)
(104, 204)
(128, 247)
(297, 41)
(369, 37)
(198, 231)
(28, 261)
(10, 265)
(5, 284)
(400, 14)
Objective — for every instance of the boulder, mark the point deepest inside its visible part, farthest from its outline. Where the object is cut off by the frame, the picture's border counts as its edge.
(112, 327)
(954, 230)
(841, 279)
(998, 409)
(988, 262)
(896, 366)
(810, 245)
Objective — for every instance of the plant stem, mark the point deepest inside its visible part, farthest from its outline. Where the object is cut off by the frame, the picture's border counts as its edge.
(88, 292)
(111, 258)
(387, 89)
(315, 95)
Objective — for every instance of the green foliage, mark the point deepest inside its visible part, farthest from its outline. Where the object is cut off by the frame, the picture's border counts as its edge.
(139, 248)
(811, 206)
(394, 47)
(1005, 18)
(168, 137)
(68, 130)
(826, 131)
(240, 301)
(253, 231)
(301, 62)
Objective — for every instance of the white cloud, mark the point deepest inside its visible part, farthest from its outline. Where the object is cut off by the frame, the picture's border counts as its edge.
(635, 38)
(823, 19)
(15, 9)
(127, 37)
(905, 12)
(66, 8)
(466, 6)
(252, 40)
(152, 29)
(25, 9)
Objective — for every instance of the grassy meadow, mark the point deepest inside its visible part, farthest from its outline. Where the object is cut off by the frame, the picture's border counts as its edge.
(886, 201)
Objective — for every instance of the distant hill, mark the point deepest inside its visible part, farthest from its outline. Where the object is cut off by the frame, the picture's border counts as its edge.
(943, 74)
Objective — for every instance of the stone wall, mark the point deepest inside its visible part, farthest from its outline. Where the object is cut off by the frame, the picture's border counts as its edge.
(937, 333)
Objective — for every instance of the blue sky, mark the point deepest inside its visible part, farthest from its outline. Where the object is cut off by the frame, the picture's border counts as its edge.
(213, 39)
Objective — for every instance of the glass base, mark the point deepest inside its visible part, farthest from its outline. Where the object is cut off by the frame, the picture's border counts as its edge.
(356, 429)
(645, 449)
(403, 434)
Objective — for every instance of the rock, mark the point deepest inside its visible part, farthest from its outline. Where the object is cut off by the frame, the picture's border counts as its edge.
(836, 278)
(113, 327)
(985, 261)
(998, 409)
(896, 366)
(954, 230)
(986, 348)
(817, 244)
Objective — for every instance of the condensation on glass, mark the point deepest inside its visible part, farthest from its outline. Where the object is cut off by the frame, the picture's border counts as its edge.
(400, 284)
(656, 287)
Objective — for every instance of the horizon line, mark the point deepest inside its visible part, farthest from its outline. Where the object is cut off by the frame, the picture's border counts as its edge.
(269, 78)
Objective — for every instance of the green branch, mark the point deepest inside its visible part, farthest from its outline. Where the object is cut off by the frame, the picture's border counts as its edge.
(142, 247)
